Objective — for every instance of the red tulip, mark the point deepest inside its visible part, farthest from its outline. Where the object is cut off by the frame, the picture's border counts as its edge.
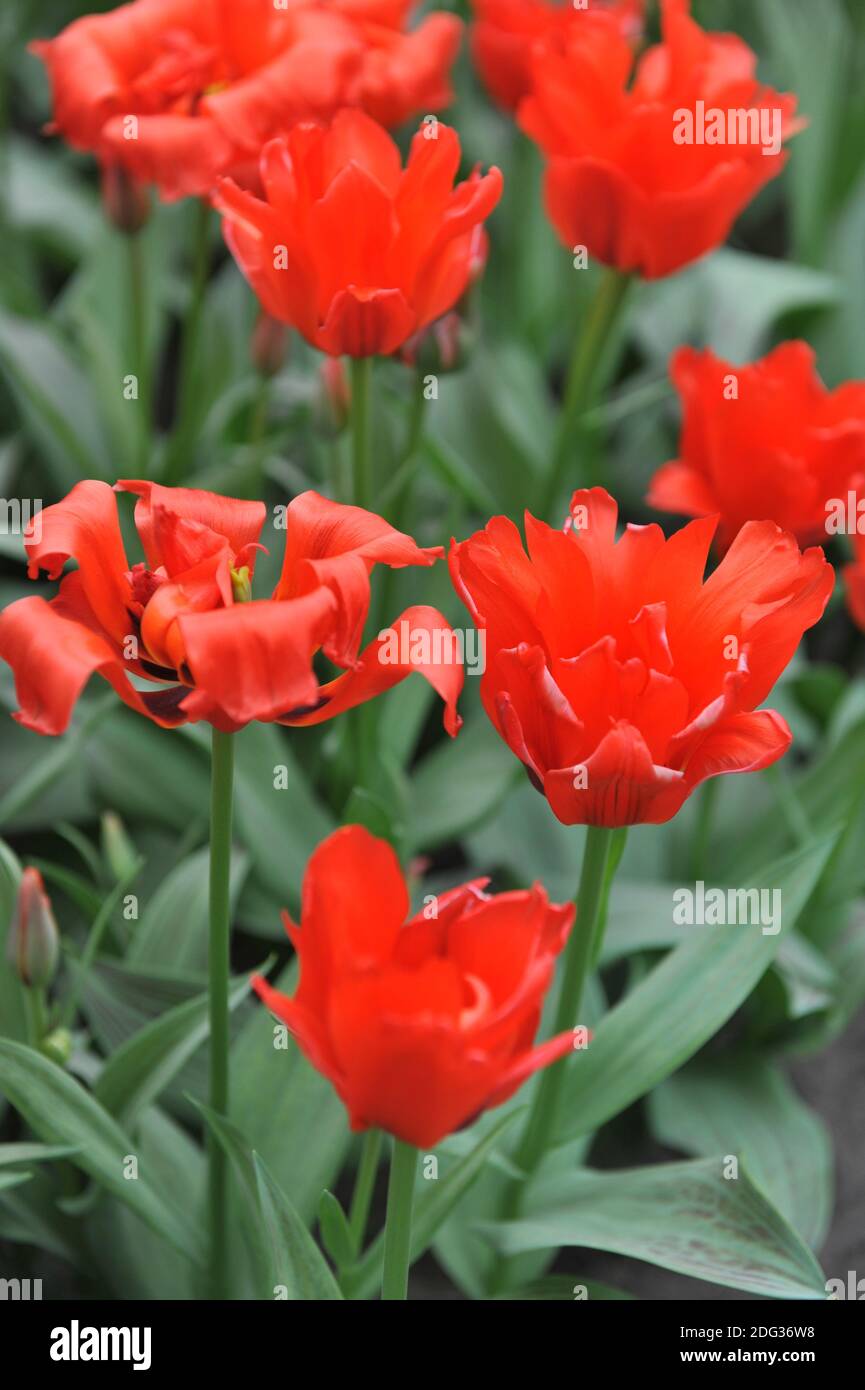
(617, 675)
(633, 172)
(505, 33)
(762, 441)
(177, 619)
(180, 91)
(422, 1024)
(353, 250)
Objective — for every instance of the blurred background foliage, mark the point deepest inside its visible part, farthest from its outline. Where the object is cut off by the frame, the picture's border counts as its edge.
(792, 267)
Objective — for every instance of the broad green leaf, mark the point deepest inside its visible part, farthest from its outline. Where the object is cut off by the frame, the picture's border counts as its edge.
(277, 816)
(687, 1217)
(55, 398)
(149, 774)
(60, 1111)
(566, 1288)
(285, 1253)
(290, 1114)
(743, 1105)
(683, 1002)
(13, 1015)
(13, 1154)
(299, 1268)
(128, 1253)
(431, 1209)
(173, 926)
(13, 1179)
(457, 785)
(135, 1076)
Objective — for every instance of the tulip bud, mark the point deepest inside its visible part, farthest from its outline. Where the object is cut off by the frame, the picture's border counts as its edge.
(333, 400)
(33, 946)
(57, 1046)
(117, 847)
(269, 345)
(126, 200)
(440, 348)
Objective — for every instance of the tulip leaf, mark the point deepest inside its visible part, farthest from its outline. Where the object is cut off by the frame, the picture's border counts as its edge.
(335, 1232)
(687, 1217)
(13, 1016)
(136, 1074)
(288, 1262)
(431, 1209)
(299, 1268)
(173, 926)
(742, 1105)
(13, 1154)
(290, 1114)
(60, 1111)
(683, 1001)
(457, 786)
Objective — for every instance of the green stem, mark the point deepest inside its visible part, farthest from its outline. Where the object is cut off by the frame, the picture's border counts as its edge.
(221, 790)
(181, 442)
(37, 1015)
(583, 944)
(138, 296)
(364, 1186)
(791, 808)
(397, 1231)
(257, 444)
(363, 724)
(583, 373)
(361, 402)
(707, 800)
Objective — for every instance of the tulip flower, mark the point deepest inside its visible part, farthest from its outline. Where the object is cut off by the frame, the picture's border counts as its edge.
(762, 441)
(505, 33)
(649, 174)
(419, 1024)
(178, 92)
(414, 241)
(618, 676)
(179, 619)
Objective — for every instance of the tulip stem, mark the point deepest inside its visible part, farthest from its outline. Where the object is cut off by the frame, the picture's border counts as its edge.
(590, 349)
(221, 789)
(181, 443)
(364, 1186)
(363, 726)
(37, 1014)
(361, 400)
(397, 1231)
(583, 946)
(138, 297)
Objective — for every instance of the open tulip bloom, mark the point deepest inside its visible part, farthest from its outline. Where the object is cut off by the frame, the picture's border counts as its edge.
(618, 676)
(183, 622)
(178, 92)
(415, 238)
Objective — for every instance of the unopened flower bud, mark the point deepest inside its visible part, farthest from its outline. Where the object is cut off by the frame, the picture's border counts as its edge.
(440, 348)
(269, 345)
(333, 401)
(126, 200)
(57, 1046)
(33, 946)
(117, 847)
